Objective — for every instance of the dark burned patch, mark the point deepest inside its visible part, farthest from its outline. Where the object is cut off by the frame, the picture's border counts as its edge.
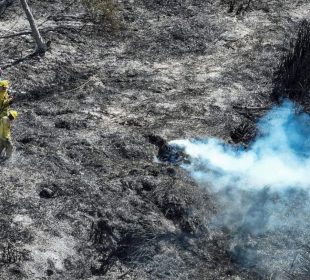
(134, 247)
(26, 139)
(127, 150)
(63, 124)
(300, 266)
(109, 246)
(167, 153)
(101, 230)
(49, 272)
(70, 124)
(67, 78)
(244, 133)
(38, 140)
(10, 253)
(240, 7)
(172, 7)
(12, 234)
(171, 154)
(4, 5)
(49, 112)
(180, 40)
(292, 79)
(188, 29)
(68, 187)
(88, 155)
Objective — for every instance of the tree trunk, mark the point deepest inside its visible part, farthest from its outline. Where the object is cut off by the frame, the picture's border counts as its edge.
(41, 46)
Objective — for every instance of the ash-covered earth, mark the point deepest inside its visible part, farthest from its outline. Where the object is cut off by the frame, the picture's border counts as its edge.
(85, 194)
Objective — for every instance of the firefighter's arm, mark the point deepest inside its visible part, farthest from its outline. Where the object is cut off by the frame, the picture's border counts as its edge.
(11, 93)
(8, 101)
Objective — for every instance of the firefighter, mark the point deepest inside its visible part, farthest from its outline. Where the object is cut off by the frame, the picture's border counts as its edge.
(6, 146)
(5, 99)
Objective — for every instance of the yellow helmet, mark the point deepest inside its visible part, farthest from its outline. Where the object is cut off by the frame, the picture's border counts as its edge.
(13, 114)
(4, 83)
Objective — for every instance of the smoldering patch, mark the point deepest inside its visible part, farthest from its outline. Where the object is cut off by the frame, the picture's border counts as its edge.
(262, 190)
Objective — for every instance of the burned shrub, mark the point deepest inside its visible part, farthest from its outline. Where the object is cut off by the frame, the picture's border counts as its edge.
(100, 231)
(156, 140)
(239, 7)
(173, 207)
(244, 133)
(169, 7)
(70, 124)
(4, 5)
(26, 139)
(171, 153)
(9, 253)
(62, 124)
(182, 38)
(183, 205)
(166, 152)
(102, 237)
(128, 150)
(292, 79)
(131, 246)
(103, 13)
(48, 190)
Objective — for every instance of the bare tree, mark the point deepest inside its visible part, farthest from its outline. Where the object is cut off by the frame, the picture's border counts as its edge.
(41, 46)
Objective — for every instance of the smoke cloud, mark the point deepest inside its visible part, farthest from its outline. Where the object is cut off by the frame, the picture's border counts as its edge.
(262, 190)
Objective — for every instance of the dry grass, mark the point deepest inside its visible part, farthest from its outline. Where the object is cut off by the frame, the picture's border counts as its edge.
(103, 13)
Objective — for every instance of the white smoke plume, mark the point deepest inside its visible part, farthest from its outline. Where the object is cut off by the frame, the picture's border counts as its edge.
(278, 158)
(262, 190)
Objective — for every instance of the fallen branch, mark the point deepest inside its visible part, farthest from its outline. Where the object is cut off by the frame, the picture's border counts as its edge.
(15, 35)
(47, 29)
(15, 62)
(251, 108)
(79, 87)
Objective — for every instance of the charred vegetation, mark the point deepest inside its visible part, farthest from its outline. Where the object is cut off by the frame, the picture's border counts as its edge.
(94, 189)
(240, 7)
(292, 80)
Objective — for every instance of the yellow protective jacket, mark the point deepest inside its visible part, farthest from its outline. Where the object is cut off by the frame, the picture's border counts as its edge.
(5, 128)
(4, 98)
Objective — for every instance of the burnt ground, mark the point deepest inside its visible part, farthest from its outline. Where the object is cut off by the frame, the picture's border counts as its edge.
(83, 196)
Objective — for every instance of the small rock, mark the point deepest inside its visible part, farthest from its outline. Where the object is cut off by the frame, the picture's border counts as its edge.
(49, 272)
(26, 140)
(47, 193)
